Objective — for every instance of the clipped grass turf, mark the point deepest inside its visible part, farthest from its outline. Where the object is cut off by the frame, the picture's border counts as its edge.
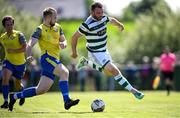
(119, 104)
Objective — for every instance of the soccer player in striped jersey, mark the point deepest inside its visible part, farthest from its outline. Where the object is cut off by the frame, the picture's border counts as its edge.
(14, 44)
(94, 29)
(51, 38)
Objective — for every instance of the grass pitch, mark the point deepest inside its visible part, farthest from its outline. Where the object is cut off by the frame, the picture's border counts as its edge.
(118, 105)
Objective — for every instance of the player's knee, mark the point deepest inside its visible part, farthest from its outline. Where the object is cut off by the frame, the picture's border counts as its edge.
(112, 70)
(66, 73)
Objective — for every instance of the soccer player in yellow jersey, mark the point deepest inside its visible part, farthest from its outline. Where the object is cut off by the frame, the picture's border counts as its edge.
(14, 44)
(51, 39)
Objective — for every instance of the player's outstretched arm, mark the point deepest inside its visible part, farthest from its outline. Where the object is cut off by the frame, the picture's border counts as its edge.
(74, 41)
(116, 23)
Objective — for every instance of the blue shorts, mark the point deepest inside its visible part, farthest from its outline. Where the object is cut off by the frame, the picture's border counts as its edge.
(48, 64)
(17, 70)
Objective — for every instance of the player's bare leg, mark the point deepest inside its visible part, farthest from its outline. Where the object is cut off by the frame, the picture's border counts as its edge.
(111, 68)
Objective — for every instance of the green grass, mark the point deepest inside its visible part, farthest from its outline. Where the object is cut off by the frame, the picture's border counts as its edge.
(118, 105)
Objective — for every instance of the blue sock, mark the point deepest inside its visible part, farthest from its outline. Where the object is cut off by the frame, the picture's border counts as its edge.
(29, 92)
(5, 91)
(63, 85)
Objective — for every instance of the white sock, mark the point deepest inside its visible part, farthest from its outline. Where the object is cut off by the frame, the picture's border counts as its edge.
(123, 82)
(94, 66)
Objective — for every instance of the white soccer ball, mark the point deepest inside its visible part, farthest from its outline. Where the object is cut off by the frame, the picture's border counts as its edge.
(98, 105)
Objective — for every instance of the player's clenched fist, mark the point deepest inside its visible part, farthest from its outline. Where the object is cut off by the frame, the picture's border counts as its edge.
(29, 59)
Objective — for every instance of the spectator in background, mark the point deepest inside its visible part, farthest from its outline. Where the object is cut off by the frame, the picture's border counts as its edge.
(82, 76)
(73, 75)
(97, 77)
(167, 63)
(110, 83)
(130, 72)
(155, 64)
(34, 72)
(145, 73)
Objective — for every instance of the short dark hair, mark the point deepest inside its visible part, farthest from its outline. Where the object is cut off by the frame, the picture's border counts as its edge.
(48, 11)
(96, 5)
(7, 18)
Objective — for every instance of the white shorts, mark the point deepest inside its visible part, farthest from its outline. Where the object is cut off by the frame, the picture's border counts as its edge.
(100, 58)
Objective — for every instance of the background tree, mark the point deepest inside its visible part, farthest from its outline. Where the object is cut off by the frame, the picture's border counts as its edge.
(131, 12)
(152, 32)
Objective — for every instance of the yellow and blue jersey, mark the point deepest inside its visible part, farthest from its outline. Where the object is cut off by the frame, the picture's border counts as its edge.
(14, 41)
(49, 39)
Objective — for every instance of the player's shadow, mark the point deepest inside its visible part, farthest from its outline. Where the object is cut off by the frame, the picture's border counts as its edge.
(80, 112)
(44, 112)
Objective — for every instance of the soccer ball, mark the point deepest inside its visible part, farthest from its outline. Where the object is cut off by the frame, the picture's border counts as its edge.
(97, 105)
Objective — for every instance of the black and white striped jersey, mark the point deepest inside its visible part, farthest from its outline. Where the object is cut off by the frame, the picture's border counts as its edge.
(95, 33)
